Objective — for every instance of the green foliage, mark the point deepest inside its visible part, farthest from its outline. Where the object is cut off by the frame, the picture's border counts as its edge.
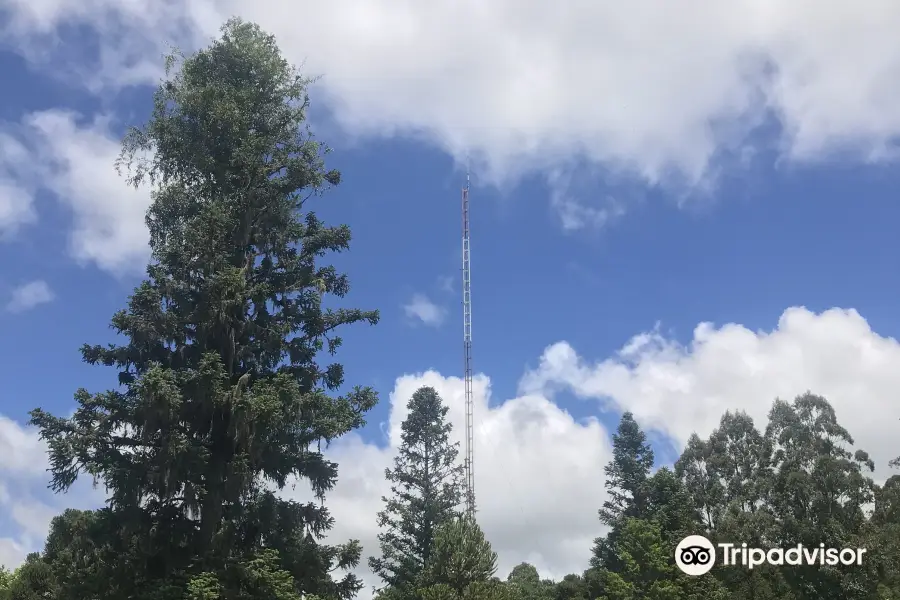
(426, 486)
(525, 583)
(800, 481)
(647, 571)
(222, 399)
(461, 567)
(818, 491)
(881, 536)
(571, 587)
(461, 556)
(626, 475)
(729, 473)
(479, 590)
(33, 580)
(6, 581)
(627, 484)
(259, 577)
(487, 590)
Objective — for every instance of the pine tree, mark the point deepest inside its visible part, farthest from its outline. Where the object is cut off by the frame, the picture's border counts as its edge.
(427, 490)
(222, 401)
(627, 473)
(627, 482)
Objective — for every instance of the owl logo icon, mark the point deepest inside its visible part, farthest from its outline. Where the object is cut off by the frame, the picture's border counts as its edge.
(695, 555)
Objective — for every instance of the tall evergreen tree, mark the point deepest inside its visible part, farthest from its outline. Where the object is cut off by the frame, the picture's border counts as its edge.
(222, 398)
(627, 477)
(627, 473)
(426, 483)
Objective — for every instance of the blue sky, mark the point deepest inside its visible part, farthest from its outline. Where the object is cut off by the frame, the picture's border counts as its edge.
(673, 246)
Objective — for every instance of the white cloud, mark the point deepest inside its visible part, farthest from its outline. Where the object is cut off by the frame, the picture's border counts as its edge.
(30, 295)
(21, 451)
(575, 213)
(27, 506)
(16, 207)
(423, 309)
(11, 552)
(16, 194)
(33, 517)
(681, 389)
(75, 161)
(445, 283)
(23, 459)
(520, 85)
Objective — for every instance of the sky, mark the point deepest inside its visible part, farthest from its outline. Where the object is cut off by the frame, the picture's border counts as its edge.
(677, 209)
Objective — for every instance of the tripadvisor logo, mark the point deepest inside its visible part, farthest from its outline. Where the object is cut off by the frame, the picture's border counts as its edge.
(696, 555)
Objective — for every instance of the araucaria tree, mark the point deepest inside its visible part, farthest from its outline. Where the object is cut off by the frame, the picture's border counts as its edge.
(222, 401)
(427, 490)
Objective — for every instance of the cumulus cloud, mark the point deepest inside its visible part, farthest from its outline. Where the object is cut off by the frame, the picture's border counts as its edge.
(678, 389)
(652, 88)
(421, 308)
(16, 208)
(59, 152)
(21, 451)
(16, 193)
(32, 517)
(30, 295)
(11, 553)
(26, 505)
(23, 460)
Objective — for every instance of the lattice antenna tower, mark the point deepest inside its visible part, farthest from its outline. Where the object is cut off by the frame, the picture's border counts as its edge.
(469, 462)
